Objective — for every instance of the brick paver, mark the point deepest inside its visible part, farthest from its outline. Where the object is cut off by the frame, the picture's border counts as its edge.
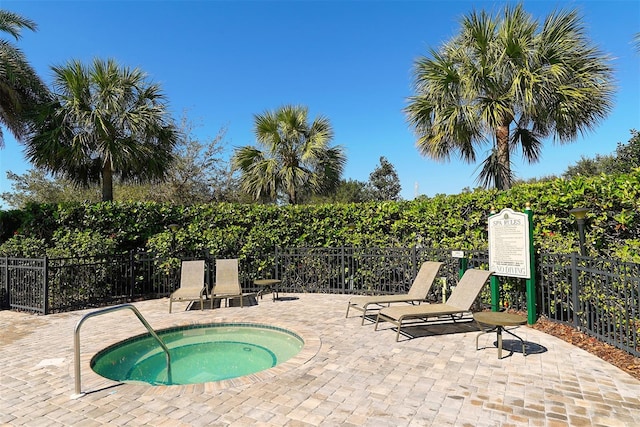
(348, 375)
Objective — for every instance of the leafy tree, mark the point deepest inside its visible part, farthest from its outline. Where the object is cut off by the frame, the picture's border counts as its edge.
(625, 159)
(535, 179)
(199, 174)
(384, 183)
(627, 155)
(293, 160)
(35, 186)
(588, 167)
(507, 80)
(347, 191)
(106, 121)
(21, 90)
(351, 191)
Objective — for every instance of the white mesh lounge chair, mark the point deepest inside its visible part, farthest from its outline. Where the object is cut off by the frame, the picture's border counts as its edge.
(227, 283)
(417, 293)
(192, 286)
(459, 302)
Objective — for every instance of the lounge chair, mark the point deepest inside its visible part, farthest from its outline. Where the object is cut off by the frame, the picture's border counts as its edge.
(227, 284)
(417, 293)
(458, 303)
(192, 285)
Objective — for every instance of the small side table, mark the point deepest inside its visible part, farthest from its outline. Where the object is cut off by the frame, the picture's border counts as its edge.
(498, 320)
(268, 286)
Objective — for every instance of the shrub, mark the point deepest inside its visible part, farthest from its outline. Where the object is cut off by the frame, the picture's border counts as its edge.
(443, 221)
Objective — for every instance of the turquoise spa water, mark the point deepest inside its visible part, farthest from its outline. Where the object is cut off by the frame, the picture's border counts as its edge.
(199, 353)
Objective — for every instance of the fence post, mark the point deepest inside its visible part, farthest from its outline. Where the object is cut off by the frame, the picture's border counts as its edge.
(5, 273)
(132, 275)
(277, 264)
(342, 275)
(574, 291)
(414, 261)
(45, 291)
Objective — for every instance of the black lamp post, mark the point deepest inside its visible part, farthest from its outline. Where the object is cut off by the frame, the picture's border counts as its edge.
(580, 214)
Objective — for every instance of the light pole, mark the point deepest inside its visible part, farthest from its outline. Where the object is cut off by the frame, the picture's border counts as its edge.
(580, 214)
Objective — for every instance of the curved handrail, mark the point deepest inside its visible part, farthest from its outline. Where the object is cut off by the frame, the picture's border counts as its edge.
(76, 341)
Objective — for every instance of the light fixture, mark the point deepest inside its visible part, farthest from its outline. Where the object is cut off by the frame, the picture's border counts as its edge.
(580, 214)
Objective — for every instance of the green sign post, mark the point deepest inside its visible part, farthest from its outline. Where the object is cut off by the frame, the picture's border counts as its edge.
(532, 312)
(511, 254)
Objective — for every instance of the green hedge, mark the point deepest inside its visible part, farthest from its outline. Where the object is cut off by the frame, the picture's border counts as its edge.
(444, 221)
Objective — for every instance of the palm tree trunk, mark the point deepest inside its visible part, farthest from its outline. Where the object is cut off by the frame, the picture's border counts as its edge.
(107, 182)
(503, 180)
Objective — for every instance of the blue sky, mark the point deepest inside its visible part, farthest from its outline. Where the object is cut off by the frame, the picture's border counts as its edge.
(221, 62)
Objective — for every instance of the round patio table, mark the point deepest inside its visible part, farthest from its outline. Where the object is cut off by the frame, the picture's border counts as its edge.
(498, 320)
(268, 285)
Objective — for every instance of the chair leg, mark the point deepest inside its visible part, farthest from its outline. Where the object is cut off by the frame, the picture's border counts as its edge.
(482, 332)
(399, 325)
(364, 313)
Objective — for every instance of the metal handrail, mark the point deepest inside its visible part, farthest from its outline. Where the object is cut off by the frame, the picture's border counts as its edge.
(76, 341)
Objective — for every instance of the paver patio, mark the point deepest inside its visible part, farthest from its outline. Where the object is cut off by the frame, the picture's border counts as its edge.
(348, 375)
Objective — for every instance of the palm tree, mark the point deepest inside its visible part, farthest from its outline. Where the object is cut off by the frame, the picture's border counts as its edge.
(508, 81)
(20, 87)
(295, 158)
(106, 121)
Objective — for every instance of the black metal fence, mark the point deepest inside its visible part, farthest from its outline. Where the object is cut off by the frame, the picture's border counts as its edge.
(23, 284)
(52, 285)
(598, 296)
(353, 270)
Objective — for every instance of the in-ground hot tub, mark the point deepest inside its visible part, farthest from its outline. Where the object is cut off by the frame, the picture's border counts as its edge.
(199, 353)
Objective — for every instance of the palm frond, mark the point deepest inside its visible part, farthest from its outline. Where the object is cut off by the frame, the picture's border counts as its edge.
(107, 121)
(493, 173)
(21, 90)
(504, 70)
(296, 157)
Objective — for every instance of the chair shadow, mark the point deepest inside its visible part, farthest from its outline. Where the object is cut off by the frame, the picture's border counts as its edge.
(461, 326)
(432, 328)
(248, 301)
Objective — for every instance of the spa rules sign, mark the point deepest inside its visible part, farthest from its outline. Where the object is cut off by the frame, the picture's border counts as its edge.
(509, 244)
